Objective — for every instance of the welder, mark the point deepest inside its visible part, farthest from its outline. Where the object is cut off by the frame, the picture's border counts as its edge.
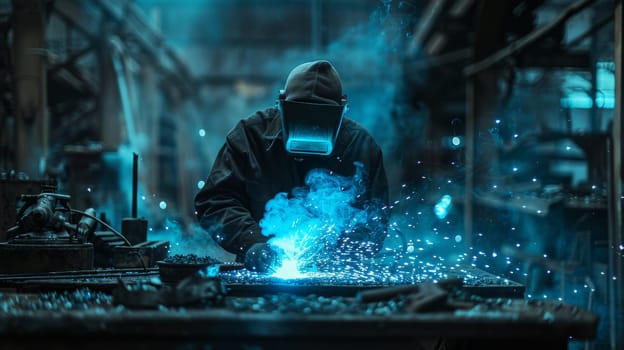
(272, 151)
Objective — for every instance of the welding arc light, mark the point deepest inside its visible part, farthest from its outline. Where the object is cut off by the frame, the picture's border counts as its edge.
(442, 208)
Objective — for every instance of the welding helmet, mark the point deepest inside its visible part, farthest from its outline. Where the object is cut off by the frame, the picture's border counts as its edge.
(311, 108)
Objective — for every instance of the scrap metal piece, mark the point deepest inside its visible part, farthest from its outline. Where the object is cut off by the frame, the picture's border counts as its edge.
(430, 297)
(386, 293)
(198, 290)
(144, 254)
(421, 297)
(194, 291)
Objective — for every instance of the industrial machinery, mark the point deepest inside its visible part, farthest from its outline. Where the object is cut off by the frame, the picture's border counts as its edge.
(50, 236)
(45, 239)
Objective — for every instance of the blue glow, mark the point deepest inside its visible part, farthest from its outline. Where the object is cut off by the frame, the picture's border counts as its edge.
(163, 205)
(577, 100)
(442, 208)
(288, 270)
(307, 224)
(201, 184)
(458, 238)
(456, 141)
(202, 132)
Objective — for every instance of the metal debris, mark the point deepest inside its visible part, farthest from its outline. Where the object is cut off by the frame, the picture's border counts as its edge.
(81, 299)
(191, 259)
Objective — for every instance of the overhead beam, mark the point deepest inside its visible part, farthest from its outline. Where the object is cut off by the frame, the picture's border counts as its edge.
(429, 17)
(527, 40)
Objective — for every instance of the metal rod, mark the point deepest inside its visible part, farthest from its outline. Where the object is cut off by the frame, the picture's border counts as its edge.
(135, 176)
(134, 272)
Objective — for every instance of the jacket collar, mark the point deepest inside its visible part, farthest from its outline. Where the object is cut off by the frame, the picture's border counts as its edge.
(274, 127)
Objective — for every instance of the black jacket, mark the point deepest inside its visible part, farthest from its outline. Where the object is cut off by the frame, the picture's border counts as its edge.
(253, 166)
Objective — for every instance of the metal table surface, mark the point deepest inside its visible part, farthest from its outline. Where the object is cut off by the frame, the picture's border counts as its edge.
(512, 323)
(475, 281)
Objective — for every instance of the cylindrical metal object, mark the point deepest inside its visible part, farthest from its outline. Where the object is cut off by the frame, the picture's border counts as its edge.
(134, 229)
(135, 181)
(87, 224)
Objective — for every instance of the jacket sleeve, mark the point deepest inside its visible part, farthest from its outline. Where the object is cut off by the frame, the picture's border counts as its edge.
(378, 178)
(222, 205)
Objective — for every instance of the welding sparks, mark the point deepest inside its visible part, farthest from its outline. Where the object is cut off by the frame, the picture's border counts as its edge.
(310, 227)
(288, 270)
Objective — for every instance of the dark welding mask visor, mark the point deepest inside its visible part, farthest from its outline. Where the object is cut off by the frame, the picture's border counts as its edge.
(310, 128)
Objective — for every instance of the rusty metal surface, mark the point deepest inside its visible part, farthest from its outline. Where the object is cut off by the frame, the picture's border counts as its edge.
(25, 258)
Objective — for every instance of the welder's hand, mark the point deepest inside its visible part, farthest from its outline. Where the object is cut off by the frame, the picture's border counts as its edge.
(261, 258)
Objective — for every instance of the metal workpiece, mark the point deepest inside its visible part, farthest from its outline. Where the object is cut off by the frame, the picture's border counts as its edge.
(350, 281)
(144, 254)
(194, 291)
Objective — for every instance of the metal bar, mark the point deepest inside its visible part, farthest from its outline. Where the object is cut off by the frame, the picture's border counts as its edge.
(72, 58)
(527, 40)
(71, 13)
(79, 274)
(432, 12)
(135, 183)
